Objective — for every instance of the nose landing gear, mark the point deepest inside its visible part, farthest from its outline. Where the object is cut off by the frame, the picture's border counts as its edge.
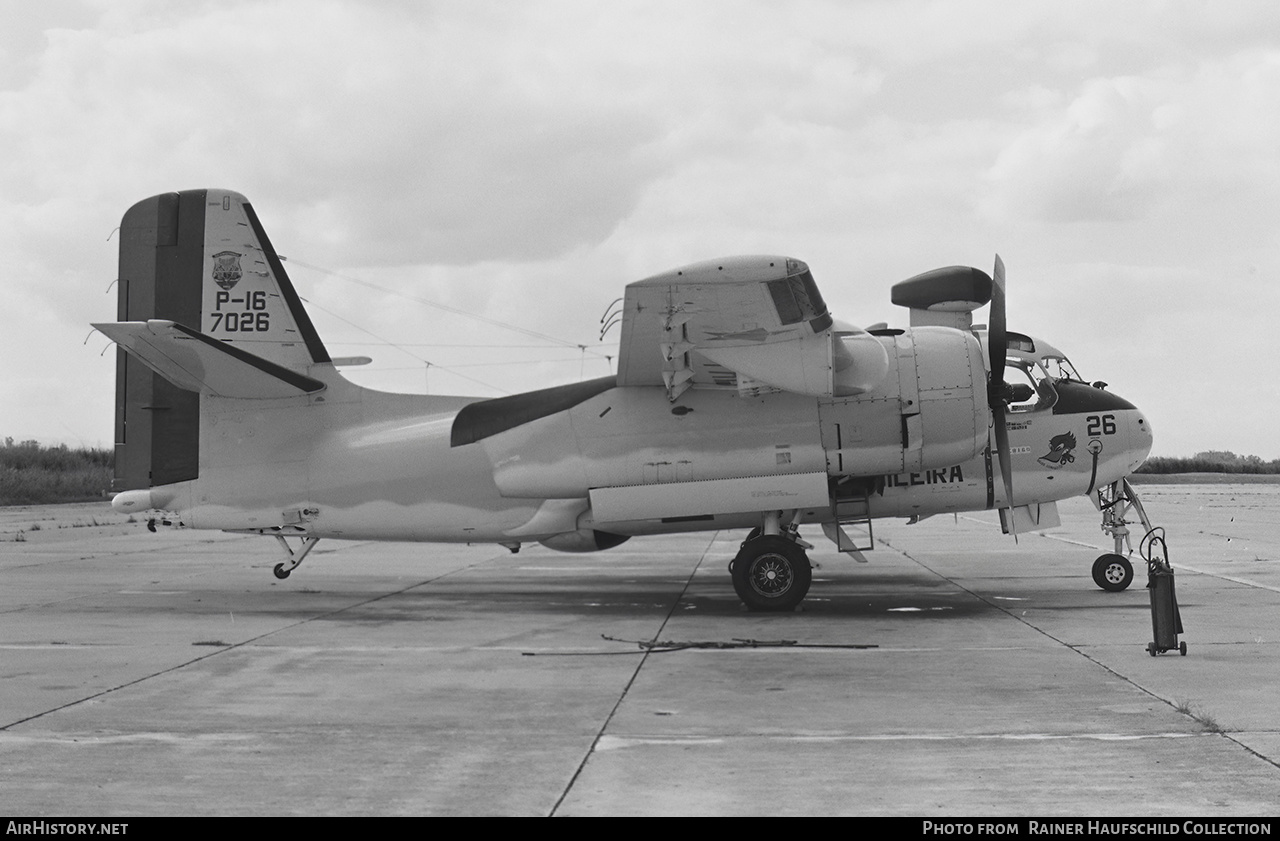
(1113, 571)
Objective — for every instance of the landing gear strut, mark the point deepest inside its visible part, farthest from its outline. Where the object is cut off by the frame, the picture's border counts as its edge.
(1113, 571)
(283, 569)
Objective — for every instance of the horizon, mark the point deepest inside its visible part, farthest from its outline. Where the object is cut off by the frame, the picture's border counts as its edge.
(463, 187)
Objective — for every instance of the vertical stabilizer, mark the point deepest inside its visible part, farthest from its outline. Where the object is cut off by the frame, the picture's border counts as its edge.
(247, 298)
(201, 259)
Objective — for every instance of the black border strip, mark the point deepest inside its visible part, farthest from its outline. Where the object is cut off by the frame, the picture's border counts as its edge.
(293, 378)
(308, 330)
(991, 479)
(479, 420)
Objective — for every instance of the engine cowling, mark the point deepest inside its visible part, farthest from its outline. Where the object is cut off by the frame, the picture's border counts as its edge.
(929, 411)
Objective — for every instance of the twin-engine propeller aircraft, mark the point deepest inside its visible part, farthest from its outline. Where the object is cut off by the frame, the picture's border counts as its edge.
(738, 404)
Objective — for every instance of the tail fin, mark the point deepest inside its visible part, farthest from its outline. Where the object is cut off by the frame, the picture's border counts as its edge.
(199, 259)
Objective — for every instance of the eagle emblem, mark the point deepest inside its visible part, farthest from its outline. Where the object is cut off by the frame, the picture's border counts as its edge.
(226, 269)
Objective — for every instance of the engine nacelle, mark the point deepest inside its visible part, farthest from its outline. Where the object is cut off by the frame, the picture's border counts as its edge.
(930, 411)
(584, 540)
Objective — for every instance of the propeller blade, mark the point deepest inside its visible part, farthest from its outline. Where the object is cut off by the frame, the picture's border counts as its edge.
(1002, 452)
(997, 337)
(997, 350)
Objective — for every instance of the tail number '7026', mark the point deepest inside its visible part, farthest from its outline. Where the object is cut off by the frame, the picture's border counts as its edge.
(252, 319)
(1101, 425)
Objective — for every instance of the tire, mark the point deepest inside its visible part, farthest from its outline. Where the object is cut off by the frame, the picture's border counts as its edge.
(1113, 573)
(771, 574)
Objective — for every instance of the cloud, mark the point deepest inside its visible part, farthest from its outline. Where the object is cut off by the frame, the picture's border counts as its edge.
(1127, 148)
(403, 140)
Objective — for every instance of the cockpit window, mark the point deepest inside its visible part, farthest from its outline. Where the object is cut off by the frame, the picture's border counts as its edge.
(797, 299)
(1030, 387)
(1017, 341)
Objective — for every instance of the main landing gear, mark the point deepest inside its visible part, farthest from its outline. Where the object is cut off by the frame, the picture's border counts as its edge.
(771, 571)
(1113, 571)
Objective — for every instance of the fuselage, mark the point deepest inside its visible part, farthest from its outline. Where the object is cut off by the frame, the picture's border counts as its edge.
(360, 464)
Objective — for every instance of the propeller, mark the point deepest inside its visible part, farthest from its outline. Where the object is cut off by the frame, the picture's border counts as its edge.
(997, 389)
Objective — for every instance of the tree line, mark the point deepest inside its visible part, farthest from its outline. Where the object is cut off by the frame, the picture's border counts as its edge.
(1210, 461)
(31, 474)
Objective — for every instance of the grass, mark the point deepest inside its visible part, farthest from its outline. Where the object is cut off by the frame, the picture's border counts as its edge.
(1205, 479)
(34, 475)
(1208, 722)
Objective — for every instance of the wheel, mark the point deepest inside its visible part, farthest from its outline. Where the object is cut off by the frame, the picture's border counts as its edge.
(771, 573)
(1113, 572)
(1151, 649)
(281, 572)
(1182, 649)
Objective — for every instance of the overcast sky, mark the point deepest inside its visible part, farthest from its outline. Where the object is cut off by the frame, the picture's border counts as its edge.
(522, 161)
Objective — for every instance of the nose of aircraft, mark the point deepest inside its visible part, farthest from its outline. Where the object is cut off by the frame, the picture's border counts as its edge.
(1140, 437)
(1119, 430)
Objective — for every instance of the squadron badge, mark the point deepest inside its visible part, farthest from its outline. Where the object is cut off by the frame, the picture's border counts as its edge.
(226, 269)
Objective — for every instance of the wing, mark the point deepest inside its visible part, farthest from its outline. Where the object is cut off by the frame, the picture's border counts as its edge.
(196, 362)
(748, 323)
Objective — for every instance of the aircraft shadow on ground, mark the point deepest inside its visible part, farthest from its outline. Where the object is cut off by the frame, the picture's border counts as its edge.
(600, 596)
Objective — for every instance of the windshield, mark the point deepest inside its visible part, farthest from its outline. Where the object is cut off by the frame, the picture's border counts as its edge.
(1060, 368)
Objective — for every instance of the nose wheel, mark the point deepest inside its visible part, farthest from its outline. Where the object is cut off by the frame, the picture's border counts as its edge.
(1113, 572)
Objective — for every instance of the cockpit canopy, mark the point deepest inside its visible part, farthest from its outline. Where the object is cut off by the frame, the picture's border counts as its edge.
(1033, 367)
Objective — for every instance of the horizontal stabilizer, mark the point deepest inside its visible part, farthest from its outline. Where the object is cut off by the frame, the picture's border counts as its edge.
(193, 361)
